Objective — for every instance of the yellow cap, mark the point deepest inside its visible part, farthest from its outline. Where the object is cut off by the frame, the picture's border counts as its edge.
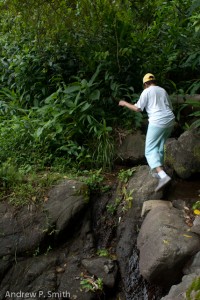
(148, 77)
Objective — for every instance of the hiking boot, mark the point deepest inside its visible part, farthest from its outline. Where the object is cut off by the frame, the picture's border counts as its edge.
(162, 182)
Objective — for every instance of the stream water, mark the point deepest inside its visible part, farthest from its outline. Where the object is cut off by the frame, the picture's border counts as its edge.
(140, 289)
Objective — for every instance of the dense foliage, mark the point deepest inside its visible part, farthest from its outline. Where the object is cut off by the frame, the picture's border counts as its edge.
(65, 64)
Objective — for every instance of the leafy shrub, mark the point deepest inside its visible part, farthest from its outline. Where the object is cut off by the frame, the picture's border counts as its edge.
(70, 124)
(194, 116)
(9, 175)
(63, 71)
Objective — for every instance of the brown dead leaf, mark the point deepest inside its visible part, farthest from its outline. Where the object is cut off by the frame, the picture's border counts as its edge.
(46, 199)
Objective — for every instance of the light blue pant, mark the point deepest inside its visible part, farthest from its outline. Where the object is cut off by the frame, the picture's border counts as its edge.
(154, 146)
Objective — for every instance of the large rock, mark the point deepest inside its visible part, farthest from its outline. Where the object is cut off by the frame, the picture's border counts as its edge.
(25, 230)
(150, 204)
(141, 188)
(21, 230)
(183, 154)
(47, 276)
(70, 281)
(192, 275)
(196, 225)
(142, 185)
(193, 265)
(67, 201)
(102, 267)
(31, 275)
(178, 292)
(132, 148)
(55, 273)
(165, 245)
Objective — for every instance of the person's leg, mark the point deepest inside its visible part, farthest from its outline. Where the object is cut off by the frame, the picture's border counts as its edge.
(164, 178)
(152, 146)
(154, 152)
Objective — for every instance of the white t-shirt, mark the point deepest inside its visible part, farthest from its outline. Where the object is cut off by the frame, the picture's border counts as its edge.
(157, 104)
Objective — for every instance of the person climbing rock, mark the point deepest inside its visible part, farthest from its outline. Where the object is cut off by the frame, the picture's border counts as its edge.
(155, 100)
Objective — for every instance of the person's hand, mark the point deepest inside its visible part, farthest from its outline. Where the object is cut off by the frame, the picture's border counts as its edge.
(122, 103)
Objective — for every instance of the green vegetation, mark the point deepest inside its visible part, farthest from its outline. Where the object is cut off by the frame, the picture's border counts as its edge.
(124, 175)
(112, 208)
(90, 283)
(193, 292)
(124, 198)
(64, 65)
(195, 114)
(103, 253)
(196, 205)
(21, 188)
(127, 199)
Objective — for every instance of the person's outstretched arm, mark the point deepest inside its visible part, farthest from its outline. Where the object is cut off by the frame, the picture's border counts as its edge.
(129, 105)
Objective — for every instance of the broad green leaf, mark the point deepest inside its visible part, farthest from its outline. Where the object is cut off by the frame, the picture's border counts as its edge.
(95, 95)
(39, 131)
(72, 89)
(94, 76)
(85, 107)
